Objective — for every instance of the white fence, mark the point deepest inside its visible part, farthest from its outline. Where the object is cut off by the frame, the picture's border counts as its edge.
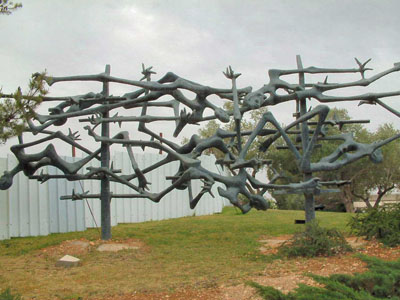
(29, 208)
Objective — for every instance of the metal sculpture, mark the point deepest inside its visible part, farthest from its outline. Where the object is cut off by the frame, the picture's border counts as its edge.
(96, 108)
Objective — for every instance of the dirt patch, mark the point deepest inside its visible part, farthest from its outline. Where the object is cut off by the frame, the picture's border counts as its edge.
(270, 245)
(115, 247)
(192, 294)
(356, 242)
(70, 247)
(83, 247)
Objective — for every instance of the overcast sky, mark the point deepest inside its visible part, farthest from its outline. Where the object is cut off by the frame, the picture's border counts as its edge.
(197, 40)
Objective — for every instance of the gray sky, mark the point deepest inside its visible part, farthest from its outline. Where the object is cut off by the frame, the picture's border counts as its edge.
(197, 40)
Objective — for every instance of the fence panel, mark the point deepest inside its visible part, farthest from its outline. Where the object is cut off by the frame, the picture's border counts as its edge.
(35, 209)
(29, 208)
(65, 215)
(19, 203)
(175, 204)
(4, 207)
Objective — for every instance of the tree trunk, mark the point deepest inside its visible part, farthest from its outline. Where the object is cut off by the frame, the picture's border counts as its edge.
(381, 193)
(347, 199)
(367, 202)
(309, 203)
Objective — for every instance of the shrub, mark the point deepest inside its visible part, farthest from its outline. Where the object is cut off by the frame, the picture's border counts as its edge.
(6, 295)
(272, 203)
(289, 202)
(381, 281)
(315, 241)
(382, 223)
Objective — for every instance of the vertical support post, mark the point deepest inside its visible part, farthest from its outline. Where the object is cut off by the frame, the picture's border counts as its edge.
(105, 196)
(161, 135)
(237, 116)
(309, 197)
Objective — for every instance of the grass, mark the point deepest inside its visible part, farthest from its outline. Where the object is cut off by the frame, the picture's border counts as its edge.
(193, 251)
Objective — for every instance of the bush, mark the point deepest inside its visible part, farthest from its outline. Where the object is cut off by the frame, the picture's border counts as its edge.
(381, 281)
(382, 223)
(272, 203)
(315, 241)
(6, 295)
(289, 202)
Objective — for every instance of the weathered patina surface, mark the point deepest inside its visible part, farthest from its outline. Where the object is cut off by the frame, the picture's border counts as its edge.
(96, 109)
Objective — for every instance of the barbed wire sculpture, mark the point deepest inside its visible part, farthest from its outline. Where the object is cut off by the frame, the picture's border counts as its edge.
(96, 108)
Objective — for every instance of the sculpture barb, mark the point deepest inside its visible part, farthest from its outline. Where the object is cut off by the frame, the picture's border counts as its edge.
(362, 66)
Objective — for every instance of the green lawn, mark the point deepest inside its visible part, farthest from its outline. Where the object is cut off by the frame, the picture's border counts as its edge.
(192, 251)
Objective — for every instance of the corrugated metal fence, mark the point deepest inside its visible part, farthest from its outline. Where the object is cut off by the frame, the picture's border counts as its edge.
(29, 208)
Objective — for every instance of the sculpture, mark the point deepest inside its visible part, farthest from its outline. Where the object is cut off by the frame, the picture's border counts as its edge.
(96, 108)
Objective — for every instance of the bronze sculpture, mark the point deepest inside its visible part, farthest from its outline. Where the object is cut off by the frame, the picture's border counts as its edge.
(96, 108)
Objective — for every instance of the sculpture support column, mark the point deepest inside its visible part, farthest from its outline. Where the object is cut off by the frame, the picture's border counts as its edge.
(309, 204)
(105, 196)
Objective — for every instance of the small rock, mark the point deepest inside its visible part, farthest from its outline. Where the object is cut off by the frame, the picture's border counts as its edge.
(68, 261)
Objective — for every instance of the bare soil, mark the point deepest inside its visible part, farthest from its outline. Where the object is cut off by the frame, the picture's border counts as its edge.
(83, 246)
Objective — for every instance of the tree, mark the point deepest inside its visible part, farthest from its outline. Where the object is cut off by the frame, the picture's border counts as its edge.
(17, 109)
(383, 177)
(6, 7)
(280, 158)
(363, 176)
(344, 199)
(247, 125)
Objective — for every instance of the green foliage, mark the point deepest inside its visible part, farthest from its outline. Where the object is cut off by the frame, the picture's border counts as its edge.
(381, 281)
(315, 241)
(6, 295)
(246, 125)
(16, 109)
(272, 203)
(268, 292)
(382, 223)
(382, 177)
(365, 177)
(289, 201)
(7, 7)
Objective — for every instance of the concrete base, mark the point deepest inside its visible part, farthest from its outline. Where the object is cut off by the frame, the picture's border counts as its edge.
(68, 261)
